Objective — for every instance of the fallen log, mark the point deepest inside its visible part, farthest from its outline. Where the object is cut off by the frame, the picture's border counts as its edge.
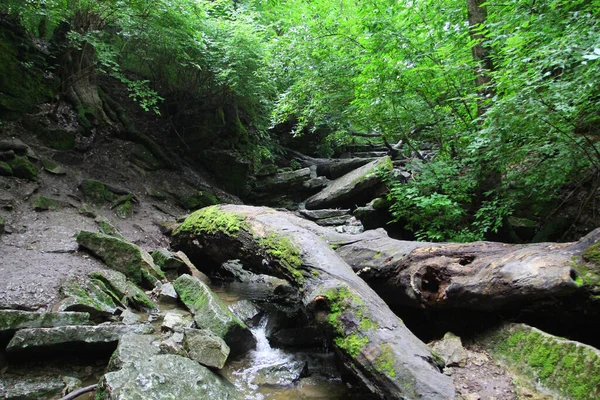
(372, 341)
(480, 275)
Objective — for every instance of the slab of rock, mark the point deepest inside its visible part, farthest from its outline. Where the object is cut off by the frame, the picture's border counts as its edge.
(246, 311)
(132, 349)
(66, 336)
(16, 319)
(165, 376)
(284, 374)
(123, 291)
(205, 347)
(168, 294)
(569, 369)
(122, 256)
(350, 186)
(177, 320)
(314, 215)
(450, 348)
(89, 297)
(210, 313)
(23, 388)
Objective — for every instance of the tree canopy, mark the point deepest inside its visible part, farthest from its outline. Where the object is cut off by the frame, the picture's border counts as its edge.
(509, 101)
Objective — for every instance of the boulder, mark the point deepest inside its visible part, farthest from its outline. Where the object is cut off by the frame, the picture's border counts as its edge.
(128, 317)
(450, 348)
(165, 377)
(205, 347)
(23, 388)
(168, 294)
(210, 313)
(122, 256)
(63, 338)
(132, 349)
(282, 374)
(173, 344)
(176, 320)
(17, 319)
(353, 188)
(566, 368)
(123, 291)
(89, 297)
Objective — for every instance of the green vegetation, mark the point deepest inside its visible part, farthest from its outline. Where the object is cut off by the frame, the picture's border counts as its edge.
(41, 203)
(571, 369)
(385, 361)
(95, 192)
(284, 251)
(23, 168)
(212, 220)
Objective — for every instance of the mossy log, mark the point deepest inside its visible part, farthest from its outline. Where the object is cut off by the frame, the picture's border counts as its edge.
(374, 344)
(480, 275)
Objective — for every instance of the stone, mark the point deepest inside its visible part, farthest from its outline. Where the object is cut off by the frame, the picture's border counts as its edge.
(246, 311)
(177, 320)
(192, 268)
(196, 199)
(450, 348)
(17, 319)
(283, 374)
(566, 368)
(15, 145)
(5, 169)
(62, 338)
(168, 294)
(2, 225)
(347, 189)
(314, 215)
(95, 192)
(52, 167)
(302, 336)
(205, 347)
(71, 384)
(210, 313)
(173, 344)
(23, 388)
(107, 227)
(122, 256)
(23, 168)
(41, 203)
(128, 317)
(123, 291)
(165, 376)
(87, 296)
(144, 159)
(132, 349)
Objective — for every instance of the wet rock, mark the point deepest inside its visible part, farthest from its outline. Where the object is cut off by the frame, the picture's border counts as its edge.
(302, 336)
(17, 319)
(246, 311)
(569, 369)
(87, 296)
(210, 313)
(450, 348)
(23, 168)
(205, 347)
(23, 388)
(123, 291)
(284, 374)
(236, 269)
(132, 349)
(177, 320)
(69, 337)
(122, 256)
(163, 377)
(350, 187)
(168, 294)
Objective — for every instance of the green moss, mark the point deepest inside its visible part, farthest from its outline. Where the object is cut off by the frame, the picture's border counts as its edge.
(572, 370)
(592, 254)
(41, 203)
(212, 220)
(23, 168)
(125, 210)
(96, 192)
(385, 362)
(352, 344)
(334, 246)
(376, 256)
(198, 199)
(5, 169)
(283, 250)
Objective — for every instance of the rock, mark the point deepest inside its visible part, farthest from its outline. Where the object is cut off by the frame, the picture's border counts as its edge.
(302, 336)
(41, 203)
(87, 211)
(165, 377)
(205, 347)
(5, 169)
(123, 291)
(283, 374)
(314, 215)
(177, 264)
(196, 199)
(2, 225)
(107, 227)
(122, 256)
(65, 338)
(52, 167)
(567, 368)
(71, 384)
(334, 221)
(236, 269)
(176, 320)
(23, 388)
(23, 168)
(290, 180)
(168, 294)
(129, 318)
(17, 319)
(450, 348)
(132, 349)
(95, 192)
(87, 296)
(15, 145)
(210, 313)
(350, 187)
(246, 311)
(144, 159)
(173, 344)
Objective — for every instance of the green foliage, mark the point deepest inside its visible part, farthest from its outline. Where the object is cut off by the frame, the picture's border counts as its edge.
(212, 220)
(283, 250)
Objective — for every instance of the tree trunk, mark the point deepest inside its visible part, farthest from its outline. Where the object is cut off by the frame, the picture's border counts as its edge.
(372, 341)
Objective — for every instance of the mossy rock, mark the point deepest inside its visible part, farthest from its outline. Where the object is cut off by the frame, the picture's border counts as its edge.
(57, 139)
(96, 192)
(87, 296)
(198, 199)
(5, 169)
(123, 291)
(41, 203)
(212, 220)
(23, 168)
(2, 225)
(143, 158)
(52, 167)
(87, 211)
(122, 256)
(568, 368)
(108, 228)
